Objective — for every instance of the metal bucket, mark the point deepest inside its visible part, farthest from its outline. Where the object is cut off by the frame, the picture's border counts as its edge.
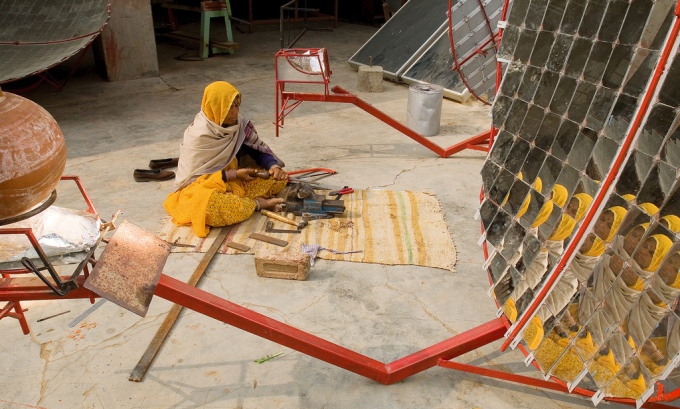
(424, 111)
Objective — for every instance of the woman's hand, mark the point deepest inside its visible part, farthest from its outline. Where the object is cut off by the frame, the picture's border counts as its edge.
(277, 173)
(246, 174)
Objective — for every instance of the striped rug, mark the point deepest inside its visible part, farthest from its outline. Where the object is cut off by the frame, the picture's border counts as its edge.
(389, 227)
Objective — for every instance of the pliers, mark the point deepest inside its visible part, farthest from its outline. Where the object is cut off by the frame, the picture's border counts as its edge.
(344, 191)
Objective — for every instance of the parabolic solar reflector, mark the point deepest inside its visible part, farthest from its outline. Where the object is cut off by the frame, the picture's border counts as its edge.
(36, 34)
(577, 73)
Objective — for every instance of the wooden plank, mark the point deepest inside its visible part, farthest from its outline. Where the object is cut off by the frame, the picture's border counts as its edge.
(268, 239)
(238, 246)
(157, 342)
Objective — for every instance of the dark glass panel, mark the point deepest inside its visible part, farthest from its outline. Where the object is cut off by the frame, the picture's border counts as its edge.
(562, 97)
(532, 122)
(564, 139)
(530, 81)
(585, 91)
(618, 66)
(597, 61)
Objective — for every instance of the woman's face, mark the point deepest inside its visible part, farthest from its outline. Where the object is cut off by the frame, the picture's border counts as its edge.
(587, 243)
(232, 115)
(632, 239)
(572, 207)
(670, 268)
(643, 255)
(604, 224)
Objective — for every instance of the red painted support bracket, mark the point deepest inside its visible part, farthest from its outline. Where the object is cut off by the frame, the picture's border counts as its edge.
(479, 142)
(18, 314)
(31, 288)
(540, 383)
(268, 328)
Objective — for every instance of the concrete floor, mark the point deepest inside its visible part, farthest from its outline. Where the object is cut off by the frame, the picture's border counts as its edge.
(384, 312)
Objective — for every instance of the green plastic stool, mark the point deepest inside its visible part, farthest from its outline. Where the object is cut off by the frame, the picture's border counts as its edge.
(206, 15)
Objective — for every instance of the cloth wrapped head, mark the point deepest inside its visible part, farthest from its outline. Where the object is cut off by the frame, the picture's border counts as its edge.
(672, 222)
(663, 245)
(559, 195)
(617, 213)
(563, 229)
(217, 100)
(633, 237)
(649, 208)
(596, 249)
(584, 201)
(543, 214)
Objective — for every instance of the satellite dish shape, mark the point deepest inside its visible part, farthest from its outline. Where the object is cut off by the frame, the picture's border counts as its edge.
(36, 35)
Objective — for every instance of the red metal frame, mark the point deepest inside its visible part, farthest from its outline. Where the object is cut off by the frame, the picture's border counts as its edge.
(286, 102)
(480, 50)
(440, 354)
(243, 318)
(323, 78)
(15, 292)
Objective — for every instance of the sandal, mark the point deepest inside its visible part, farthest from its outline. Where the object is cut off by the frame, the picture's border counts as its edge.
(163, 163)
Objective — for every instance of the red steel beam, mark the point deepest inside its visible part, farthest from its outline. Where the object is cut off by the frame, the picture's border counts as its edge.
(225, 311)
(344, 96)
(539, 383)
(455, 346)
(31, 288)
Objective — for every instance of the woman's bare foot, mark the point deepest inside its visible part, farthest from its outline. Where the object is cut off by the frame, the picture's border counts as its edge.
(275, 203)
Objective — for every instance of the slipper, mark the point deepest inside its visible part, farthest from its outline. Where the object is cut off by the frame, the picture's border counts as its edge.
(147, 175)
(163, 163)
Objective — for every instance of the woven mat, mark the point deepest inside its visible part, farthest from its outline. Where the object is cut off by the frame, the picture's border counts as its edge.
(390, 227)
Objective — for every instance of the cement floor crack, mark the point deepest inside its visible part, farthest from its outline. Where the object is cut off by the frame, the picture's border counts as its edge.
(394, 181)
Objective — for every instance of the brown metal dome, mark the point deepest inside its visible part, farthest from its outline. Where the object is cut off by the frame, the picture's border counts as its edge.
(32, 155)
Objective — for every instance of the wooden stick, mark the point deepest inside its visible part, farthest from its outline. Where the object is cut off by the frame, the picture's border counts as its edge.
(157, 342)
(268, 239)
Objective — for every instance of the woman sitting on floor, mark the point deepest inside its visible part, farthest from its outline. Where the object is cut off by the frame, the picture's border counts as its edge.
(213, 189)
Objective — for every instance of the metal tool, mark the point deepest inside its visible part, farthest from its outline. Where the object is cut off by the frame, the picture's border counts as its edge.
(300, 198)
(344, 191)
(176, 244)
(269, 228)
(52, 316)
(87, 312)
(263, 174)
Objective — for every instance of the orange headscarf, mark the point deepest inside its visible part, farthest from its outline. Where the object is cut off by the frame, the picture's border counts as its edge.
(217, 100)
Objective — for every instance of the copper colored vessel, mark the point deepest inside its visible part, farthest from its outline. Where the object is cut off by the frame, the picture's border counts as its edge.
(32, 155)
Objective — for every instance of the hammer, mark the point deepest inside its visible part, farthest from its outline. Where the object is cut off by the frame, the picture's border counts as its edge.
(284, 219)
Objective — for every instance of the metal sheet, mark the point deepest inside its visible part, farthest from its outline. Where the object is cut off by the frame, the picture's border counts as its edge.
(402, 36)
(37, 34)
(129, 268)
